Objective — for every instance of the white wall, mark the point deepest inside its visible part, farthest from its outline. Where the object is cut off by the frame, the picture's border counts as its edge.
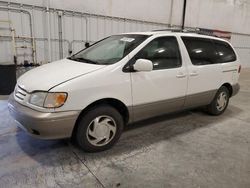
(150, 10)
(227, 15)
(242, 46)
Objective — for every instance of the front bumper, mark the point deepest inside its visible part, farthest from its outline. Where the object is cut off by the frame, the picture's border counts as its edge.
(43, 125)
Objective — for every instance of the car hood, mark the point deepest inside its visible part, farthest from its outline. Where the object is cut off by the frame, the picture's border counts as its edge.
(52, 74)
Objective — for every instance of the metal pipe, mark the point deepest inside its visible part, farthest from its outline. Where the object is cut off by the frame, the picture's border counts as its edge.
(35, 38)
(48, 30)
(86, 21)
(29, 39)
(73, 29)
(30, 23)
(22, 29)
(34, 42)
(60, 34)
(184, 14)
(87, 27)
(77, 41)
(171, 13)
(14, 45)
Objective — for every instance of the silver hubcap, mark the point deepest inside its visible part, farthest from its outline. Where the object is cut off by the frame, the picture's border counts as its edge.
(221, 101)
(101, 130)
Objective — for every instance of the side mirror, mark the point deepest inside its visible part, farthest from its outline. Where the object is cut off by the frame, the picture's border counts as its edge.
(143, 65)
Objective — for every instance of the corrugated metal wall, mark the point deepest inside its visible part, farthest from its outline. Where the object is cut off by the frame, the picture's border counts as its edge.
(77, 28)
(242, 45)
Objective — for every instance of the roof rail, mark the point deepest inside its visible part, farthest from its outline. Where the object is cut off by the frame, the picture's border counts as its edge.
(170, 29)
(200, 31)
(190, 30)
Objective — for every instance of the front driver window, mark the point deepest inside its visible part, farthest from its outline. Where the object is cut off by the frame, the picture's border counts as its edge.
(163, 52)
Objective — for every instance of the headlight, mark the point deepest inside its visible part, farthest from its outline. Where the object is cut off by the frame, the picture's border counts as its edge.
(48, 100)
(38, 98)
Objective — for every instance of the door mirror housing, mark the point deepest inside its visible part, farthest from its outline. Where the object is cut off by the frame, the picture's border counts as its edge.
(143, 65)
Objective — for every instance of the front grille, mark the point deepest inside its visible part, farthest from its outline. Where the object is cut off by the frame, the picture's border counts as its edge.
(20, 93)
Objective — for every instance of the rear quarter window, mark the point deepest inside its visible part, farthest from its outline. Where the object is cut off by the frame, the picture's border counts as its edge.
(225, 52)
(204, 51)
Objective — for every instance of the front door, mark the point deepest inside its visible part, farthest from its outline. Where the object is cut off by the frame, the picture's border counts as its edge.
(163, 89)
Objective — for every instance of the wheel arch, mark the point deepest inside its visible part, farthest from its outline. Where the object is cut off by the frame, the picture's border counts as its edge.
(229, 87)
(115, 103)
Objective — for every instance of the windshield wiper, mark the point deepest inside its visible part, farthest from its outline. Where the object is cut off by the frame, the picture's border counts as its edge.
(83, 60)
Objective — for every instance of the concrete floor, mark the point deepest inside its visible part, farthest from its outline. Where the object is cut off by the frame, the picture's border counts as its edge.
(188, 149)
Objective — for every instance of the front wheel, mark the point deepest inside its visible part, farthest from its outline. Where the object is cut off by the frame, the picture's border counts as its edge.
(220, 102)
(99, 129)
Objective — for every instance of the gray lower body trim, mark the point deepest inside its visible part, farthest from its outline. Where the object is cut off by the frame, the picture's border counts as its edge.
(199, 99)
(145, 111)
(236, 89)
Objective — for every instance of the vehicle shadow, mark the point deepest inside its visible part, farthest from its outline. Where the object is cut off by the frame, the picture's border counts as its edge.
(137, 137)
(45, 152)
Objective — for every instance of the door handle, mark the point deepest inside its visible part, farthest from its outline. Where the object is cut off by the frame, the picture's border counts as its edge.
(181, 75)
(194, 73)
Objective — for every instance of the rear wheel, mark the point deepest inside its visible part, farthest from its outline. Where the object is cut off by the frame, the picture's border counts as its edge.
(99, 129)
(220, 102)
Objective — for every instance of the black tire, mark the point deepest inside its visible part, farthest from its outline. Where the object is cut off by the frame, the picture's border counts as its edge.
(82, 134)
(212, 107)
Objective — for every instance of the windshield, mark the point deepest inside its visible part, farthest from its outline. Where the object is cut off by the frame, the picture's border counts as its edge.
(109, 50)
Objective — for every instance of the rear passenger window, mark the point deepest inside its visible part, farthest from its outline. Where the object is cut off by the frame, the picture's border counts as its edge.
(200, 50)
(163, 52)
(225, 52)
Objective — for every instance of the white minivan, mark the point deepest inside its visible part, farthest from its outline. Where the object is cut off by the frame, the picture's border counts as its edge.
(124, 78)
